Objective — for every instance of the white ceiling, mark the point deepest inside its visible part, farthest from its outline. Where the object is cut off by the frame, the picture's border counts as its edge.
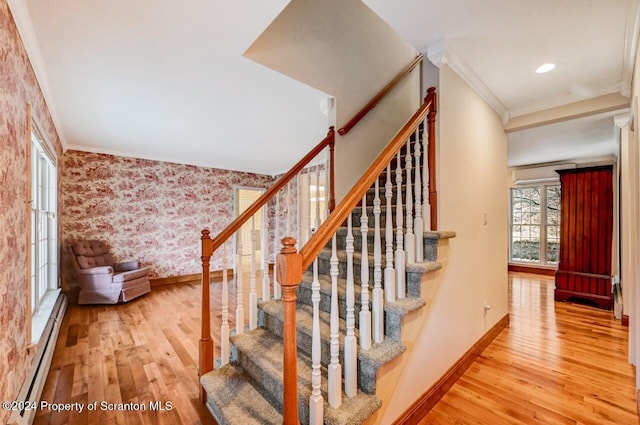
(167, 80)
(589, 137)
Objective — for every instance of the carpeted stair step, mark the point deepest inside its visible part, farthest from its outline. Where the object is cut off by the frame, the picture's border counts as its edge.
(271, 317)
(430, 241)
(233, 397)
(371, 192)
(414, 271)
(260, 352)
(394, 311)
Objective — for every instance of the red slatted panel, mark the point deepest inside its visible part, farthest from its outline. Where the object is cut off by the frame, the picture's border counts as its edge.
(585, 235)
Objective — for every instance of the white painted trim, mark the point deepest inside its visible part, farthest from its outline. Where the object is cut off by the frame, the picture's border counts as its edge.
(622, 120)
(116, 152)
(22, 18)
(630, 47)
(441, 53)
(33, 385)
(553, 103)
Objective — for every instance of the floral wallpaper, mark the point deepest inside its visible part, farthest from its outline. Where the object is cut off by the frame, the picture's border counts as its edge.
(149, 210)
(18, 87)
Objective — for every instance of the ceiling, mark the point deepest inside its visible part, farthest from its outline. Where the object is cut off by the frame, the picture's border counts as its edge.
(588, 137)
(166, 80)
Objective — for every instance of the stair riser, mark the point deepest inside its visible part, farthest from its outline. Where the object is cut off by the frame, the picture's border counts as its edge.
(367, 374)
(304, 297)
(324, 266)
(430, 246)
(273, 385)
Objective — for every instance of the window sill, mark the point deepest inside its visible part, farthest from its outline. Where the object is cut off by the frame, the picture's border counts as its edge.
(41, 316)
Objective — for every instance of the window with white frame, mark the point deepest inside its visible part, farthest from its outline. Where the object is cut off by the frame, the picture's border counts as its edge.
(535, 225)
(44, 246)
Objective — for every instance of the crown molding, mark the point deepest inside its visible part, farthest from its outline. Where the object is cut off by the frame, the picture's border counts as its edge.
(622, 120)
(630, 47)
(22, 18)
(440, 53)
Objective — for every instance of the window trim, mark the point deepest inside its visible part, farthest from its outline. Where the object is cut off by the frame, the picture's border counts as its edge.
(36, 318)
(543, 225)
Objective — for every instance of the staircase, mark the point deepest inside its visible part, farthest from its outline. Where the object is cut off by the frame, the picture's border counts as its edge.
(249, 388)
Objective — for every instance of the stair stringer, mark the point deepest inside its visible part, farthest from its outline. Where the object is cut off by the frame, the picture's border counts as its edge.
(390, 374)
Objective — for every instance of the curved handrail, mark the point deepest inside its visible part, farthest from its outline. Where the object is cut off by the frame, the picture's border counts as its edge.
(320, 238)
(378, 97)
(234, 226)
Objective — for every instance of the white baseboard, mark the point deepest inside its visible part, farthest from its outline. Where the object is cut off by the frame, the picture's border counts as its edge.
(31, 390)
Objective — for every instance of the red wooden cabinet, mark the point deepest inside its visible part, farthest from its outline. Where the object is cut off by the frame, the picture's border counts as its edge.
(586, 227)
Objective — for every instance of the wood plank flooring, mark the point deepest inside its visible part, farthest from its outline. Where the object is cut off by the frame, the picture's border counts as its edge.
(557, 363)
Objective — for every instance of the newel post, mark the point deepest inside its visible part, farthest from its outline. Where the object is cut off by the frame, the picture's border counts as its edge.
(289, 268)
(431, 119)
(332, 186)
(206, 343)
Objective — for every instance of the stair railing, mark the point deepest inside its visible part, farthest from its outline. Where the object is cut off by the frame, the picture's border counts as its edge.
(291, 263)
(281, 191)
(378, 97)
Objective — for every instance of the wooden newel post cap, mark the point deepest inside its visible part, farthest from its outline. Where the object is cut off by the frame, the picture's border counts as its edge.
(205, 234)
(289, 264)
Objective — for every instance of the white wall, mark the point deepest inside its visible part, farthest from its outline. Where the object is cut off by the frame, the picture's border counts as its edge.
(343, 48)
(472, 154)
(630, 223)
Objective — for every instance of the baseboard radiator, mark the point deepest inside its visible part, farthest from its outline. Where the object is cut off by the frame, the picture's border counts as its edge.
(33, 385)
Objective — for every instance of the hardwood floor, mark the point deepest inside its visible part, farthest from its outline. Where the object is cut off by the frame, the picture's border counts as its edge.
(557, 363)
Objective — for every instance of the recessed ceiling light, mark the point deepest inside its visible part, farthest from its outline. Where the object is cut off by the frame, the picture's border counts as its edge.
(545, 68)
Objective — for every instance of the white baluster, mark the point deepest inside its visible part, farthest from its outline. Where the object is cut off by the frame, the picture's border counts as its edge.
(365, 314)
(378, 294)
(311, 222)
(400, 255)
(426, 206)
(316, 406)
(317, 221)
(409, 240)
(418, 225)
(239, 288)
(288, 207)
(350, 350)
(277, 291)
(316, 410)
(224, 328)
(335, 369)
(389, 272)
(253, 294)
(266, 283)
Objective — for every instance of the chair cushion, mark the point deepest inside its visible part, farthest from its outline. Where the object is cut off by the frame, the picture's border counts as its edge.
(90, 248)
(86, 262)
(130, 275)
(92, 253)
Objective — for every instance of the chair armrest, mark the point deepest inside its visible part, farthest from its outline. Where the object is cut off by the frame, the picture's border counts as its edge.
(125, 266)
(97, 270)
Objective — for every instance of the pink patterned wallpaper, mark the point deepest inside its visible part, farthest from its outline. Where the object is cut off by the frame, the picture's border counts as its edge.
(148, 209)
(18, 86)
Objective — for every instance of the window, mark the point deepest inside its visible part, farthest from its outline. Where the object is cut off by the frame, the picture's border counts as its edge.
(535, 225)
(44, 249)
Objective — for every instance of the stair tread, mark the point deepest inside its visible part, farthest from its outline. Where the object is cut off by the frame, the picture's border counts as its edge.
(265, 349)
(418, 267)
(399, 306)
(234, 398)
(377, 355)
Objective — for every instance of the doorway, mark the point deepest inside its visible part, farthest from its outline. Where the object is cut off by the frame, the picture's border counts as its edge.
(244, 197)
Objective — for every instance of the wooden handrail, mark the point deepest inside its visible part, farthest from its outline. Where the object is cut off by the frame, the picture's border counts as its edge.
(378, 97)
(320, 238)
(271, 192)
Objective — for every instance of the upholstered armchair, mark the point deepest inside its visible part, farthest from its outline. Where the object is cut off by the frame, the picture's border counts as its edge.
(101, 279)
